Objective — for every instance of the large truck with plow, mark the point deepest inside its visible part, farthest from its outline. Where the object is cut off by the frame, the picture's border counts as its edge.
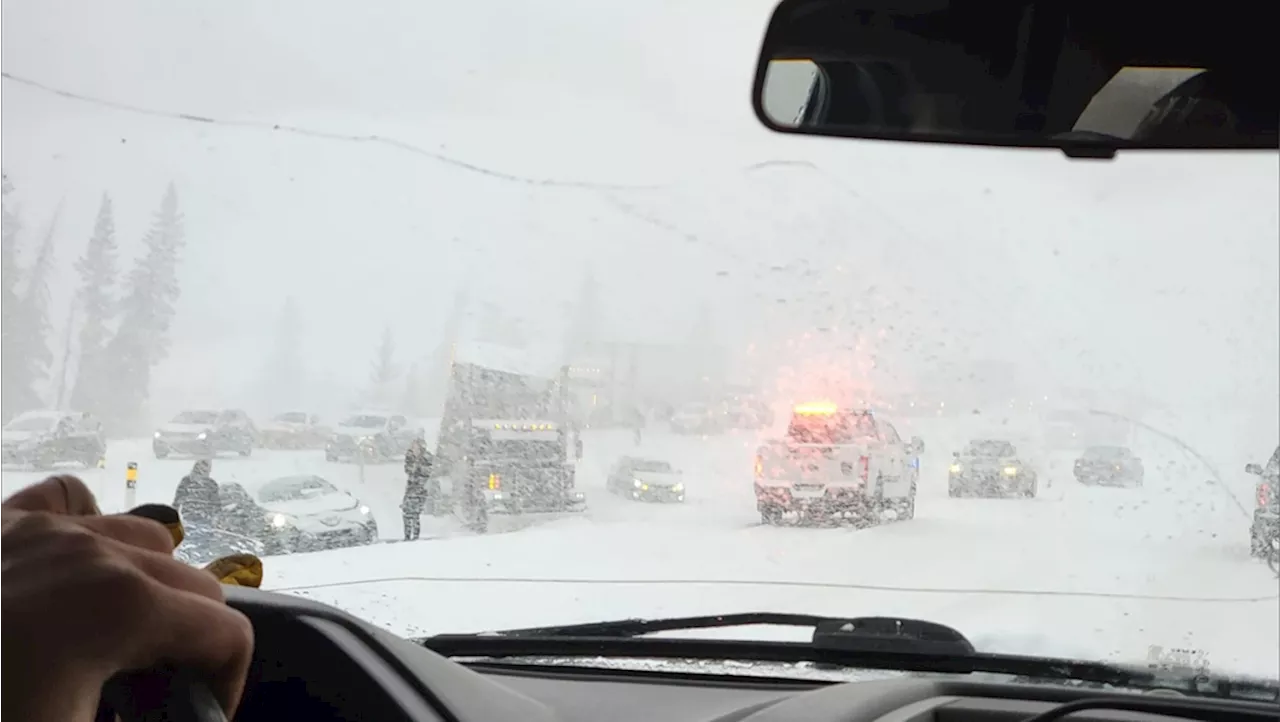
(507, 441)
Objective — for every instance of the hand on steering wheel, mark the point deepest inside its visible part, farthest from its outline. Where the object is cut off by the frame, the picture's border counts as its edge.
(87, 597)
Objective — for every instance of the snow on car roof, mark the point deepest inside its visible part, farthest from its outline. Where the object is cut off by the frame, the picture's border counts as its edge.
(509, 359)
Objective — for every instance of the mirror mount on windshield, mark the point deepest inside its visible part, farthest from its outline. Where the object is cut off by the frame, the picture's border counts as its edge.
(1253, 469)
(1024, 74)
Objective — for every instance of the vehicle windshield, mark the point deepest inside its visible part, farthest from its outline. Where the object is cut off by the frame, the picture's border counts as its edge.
(567, 214)
(834, 428)
(295, 489)
(654, 467)
(1106, 453)
(292, 418)
(364, 422)
(32, 423)
(519, 450)
(990, 448)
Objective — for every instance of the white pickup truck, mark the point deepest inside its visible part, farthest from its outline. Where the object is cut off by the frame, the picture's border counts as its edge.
(834, 464)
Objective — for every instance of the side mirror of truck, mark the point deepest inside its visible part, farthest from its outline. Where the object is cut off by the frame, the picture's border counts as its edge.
(917, 445)
(1254, 469)
(956, 454)
(577, 448)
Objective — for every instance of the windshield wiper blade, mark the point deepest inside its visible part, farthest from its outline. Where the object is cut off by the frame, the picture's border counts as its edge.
(868, 630)
(885, 643)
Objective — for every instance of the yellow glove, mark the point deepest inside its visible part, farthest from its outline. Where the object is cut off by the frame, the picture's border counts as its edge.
(238, 570)
(241, 570)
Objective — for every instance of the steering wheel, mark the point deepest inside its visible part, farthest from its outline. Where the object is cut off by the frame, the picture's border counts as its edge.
(158, 695)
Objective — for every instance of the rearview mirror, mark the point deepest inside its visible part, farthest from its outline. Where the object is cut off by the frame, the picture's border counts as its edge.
(1026, 73)
(1253, 469)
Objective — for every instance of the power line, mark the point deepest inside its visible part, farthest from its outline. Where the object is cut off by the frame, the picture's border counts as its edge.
(392, 143)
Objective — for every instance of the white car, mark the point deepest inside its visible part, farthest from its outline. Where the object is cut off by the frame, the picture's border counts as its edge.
(296, 513)
(646, 480)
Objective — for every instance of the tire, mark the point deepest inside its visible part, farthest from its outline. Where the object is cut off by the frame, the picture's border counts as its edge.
(246, 452)
(771, 515)
(160, 453)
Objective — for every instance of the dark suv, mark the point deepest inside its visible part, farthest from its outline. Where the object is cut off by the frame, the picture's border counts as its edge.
(206, 433)
(45, 438)
(1266, 512)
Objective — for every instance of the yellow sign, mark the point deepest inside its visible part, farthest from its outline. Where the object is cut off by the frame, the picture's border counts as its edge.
(131, 474)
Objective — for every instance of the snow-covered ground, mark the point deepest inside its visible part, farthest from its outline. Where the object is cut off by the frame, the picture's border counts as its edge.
(1099, 573)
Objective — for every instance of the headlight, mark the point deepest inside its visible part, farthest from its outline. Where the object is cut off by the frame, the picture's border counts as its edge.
(678, 487)
(955, 468)
(202, 435)
(1010, 471)
(364, 510)
(157, 435)
(637, 483)
(280, 521)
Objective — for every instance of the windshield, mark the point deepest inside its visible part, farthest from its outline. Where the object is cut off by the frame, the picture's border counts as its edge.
(294, 489)
(524, 451)
(196, 417)
(32, 423)
(835, 428)
(990, 448)
(568, 214)
(1106, 453)
(292, 418)
(655, 467)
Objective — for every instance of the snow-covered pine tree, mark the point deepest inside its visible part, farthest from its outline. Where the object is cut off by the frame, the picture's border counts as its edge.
(95, 309)
(16, 393)
(30, 331)
(146, 313)
(383, 374)
(284, 380)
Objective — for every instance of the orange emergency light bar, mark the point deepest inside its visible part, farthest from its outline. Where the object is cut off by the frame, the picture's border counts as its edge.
(525, 427)
(816, 408)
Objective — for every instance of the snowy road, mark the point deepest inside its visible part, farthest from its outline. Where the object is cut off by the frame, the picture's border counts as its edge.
(1100, 573)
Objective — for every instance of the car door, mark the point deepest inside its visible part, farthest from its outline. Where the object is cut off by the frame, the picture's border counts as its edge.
(898, 473)
(400, 434)
(621, 469)
(64, 438)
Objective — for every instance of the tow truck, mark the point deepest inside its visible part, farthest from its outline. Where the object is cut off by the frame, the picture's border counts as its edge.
(506, 440)
(837, 464)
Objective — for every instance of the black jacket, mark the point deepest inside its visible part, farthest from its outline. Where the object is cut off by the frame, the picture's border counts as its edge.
(417, 470)
(197, 500)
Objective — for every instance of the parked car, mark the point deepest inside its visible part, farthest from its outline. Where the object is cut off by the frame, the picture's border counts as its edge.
(206, 433)
(45, 438)
(1265, 527)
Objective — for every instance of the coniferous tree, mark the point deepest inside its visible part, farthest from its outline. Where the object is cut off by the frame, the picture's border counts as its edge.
(16, 392)
(95, 308)
(147, 310)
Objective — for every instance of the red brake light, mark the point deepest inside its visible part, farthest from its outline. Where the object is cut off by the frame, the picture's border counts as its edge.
(864, 464)
(1264, 495)
(759, 466)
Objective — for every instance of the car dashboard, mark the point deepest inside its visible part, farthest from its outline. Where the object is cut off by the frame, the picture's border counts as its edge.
(316, 663)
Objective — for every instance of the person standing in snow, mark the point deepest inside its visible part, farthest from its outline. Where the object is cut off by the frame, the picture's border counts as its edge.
(418, 490)
(196, 498)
